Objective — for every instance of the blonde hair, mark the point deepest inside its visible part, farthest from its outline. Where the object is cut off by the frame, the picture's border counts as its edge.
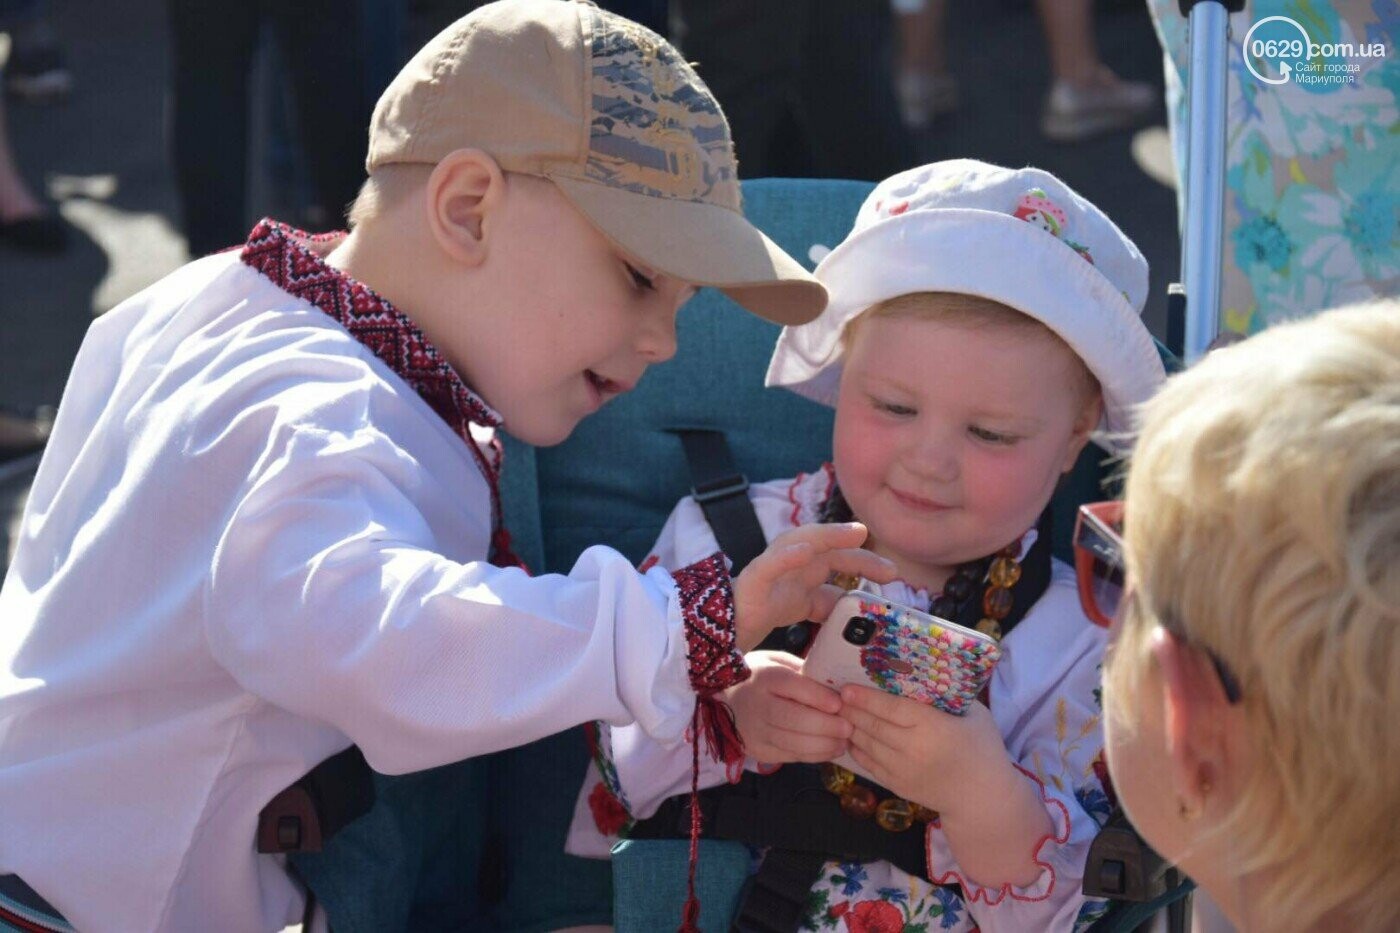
(1263, 518)
(387, 187)
(963, 310)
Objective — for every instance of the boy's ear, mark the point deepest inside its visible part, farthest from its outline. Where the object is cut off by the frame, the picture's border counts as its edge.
(463, 189)
(1088, 419)
(1195, 709)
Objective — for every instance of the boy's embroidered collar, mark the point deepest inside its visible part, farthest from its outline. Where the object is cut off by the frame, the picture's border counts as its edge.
(280, 253)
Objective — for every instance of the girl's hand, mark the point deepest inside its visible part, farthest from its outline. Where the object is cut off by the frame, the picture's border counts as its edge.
(783, 716)
(921, 753)
(787, 582)
(990, 811)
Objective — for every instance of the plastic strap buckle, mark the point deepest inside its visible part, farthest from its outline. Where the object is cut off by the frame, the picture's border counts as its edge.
(736, 484)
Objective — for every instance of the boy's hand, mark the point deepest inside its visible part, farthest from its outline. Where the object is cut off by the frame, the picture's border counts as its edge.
(787, 582)
(783, 716)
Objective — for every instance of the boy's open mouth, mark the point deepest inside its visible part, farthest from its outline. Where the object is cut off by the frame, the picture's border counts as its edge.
(604, 385)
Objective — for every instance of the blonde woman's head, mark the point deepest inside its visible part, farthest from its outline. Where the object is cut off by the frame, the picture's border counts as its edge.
(1263, 527)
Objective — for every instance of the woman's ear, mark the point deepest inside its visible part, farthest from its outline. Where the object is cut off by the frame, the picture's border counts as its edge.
(1088, 418)
(1194, 712)
(463, 191)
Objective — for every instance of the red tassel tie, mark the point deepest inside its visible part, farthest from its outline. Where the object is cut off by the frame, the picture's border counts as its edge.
(715, 721)
(722, 739)
(502, 554)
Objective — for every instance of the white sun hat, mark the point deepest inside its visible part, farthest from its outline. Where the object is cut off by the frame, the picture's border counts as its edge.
(1020, 237)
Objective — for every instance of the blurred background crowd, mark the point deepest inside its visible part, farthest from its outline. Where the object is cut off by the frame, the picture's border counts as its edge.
(136, 135)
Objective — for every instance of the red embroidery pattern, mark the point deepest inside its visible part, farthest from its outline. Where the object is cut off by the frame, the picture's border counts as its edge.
(275, 250)
(712, 651)
(609, 815)
(806, 510)
(707, 607)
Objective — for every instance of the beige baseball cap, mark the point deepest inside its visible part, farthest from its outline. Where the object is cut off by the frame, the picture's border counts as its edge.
(611, 113)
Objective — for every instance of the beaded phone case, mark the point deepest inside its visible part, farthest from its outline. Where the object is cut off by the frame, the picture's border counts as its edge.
(869, 640)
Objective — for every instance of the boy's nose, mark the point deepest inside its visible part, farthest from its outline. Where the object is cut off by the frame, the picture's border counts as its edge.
(656, 341)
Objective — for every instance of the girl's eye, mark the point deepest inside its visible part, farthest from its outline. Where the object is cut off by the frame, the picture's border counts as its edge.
(640, 280)
(893, 409)
(991, 437)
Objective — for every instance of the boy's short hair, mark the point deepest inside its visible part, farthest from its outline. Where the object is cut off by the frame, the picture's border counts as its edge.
(612, 115)
(386, 188)
(960, 309)
(1263, 517)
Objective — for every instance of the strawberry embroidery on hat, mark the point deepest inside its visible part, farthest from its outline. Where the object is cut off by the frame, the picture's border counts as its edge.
(1035, 207)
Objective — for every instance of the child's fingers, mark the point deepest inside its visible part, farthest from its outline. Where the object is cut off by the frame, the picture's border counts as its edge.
(781, 558)
(811, 748)
(808, 692)
(826, 536)
(877, 703)
(789, 716)
(872, 758)
(860, 563)
(824, 599)
(873, 727)
(783, 659)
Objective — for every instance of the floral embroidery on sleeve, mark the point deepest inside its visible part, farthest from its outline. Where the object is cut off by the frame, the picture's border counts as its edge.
(606, 801)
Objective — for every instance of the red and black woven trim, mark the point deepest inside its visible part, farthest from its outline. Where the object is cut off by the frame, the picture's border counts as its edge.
(712, 650)
(280, 253)
(707, 607)
(13, 921)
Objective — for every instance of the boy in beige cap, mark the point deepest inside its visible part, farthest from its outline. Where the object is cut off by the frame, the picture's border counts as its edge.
(267, 525)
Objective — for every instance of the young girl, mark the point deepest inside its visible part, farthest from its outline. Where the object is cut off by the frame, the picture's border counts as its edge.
(983, 323)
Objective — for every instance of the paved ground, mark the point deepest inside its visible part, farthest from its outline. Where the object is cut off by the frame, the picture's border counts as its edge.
(103, 157)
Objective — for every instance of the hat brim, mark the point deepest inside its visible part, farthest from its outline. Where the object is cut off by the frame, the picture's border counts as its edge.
(703, 244)
(950, 250)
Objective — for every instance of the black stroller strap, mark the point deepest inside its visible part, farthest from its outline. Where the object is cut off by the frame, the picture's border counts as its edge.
(722, 493)
(777, 896)
(788, 810)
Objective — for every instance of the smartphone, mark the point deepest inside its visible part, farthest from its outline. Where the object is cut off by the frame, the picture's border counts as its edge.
(871, 641)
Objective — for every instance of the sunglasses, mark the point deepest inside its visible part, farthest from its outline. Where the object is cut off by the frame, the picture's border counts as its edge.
(1099, 571)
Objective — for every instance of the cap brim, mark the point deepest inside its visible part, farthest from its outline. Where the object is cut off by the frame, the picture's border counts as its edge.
(703, 244)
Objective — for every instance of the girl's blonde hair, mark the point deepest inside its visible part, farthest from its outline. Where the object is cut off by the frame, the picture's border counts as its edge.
(1263, 518)
(964, 310)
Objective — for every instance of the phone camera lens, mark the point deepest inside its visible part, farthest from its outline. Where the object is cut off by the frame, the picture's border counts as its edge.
(859, 630)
